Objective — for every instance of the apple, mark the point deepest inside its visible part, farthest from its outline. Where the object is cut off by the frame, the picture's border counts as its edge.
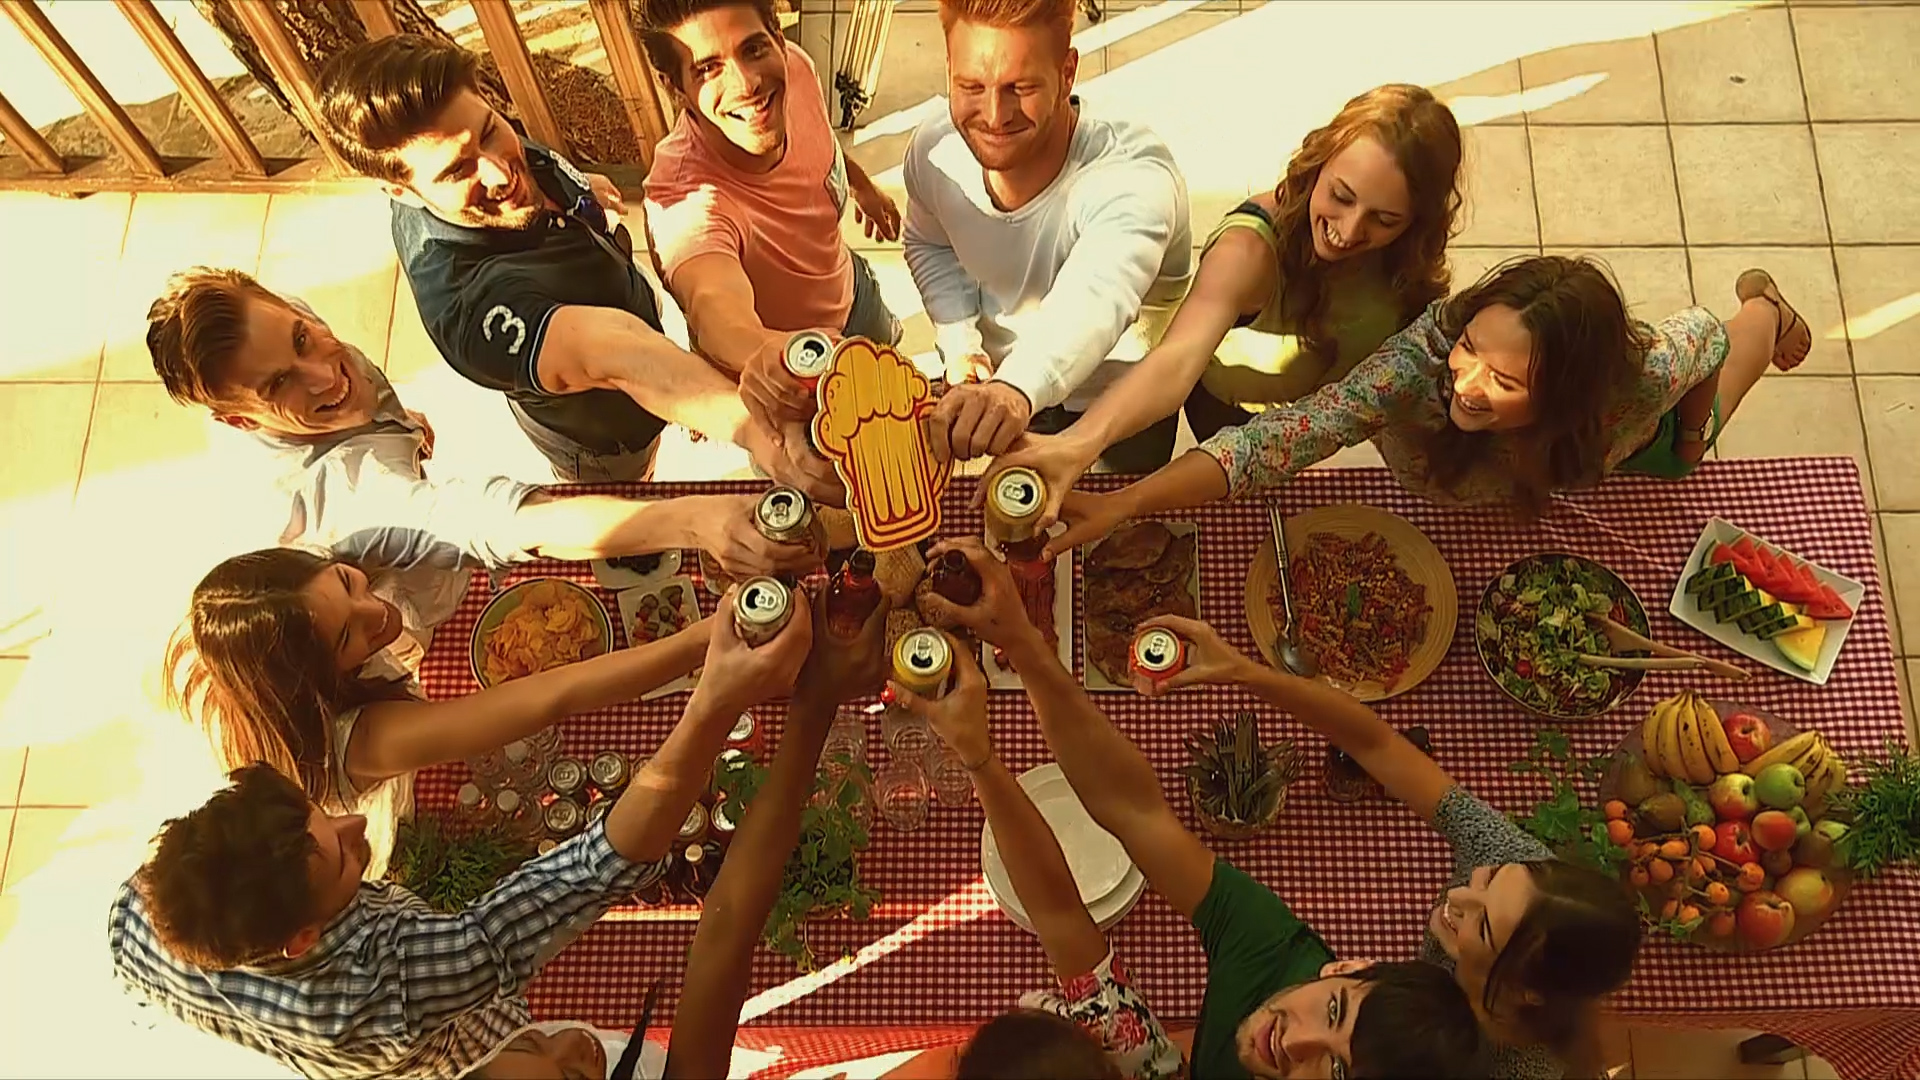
(1813, 849)
(1764, 920)
(1773, 830)
(1802, 825)
(1831, 829)
(1780, 785)
(1809, 890)
(1732, 797)
(1748, 735)
(1733, 841)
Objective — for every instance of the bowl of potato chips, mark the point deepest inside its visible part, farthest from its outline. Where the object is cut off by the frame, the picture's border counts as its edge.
(536, 626)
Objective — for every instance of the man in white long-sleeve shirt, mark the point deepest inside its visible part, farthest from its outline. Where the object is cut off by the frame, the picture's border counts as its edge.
(1037, 234)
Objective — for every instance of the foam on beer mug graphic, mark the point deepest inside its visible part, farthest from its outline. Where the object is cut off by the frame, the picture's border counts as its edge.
(871, 425)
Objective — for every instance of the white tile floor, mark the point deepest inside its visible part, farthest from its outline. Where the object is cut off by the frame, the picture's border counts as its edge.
(1681, 142)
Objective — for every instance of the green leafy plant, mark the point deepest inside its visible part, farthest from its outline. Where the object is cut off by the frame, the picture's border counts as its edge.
(1883, 813)
(1567, 821)
(1236, 784)
(448, 870)
(823, 874)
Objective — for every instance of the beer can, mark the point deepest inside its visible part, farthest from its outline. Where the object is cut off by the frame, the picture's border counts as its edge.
(566, 777)
(745, 734)
(723, 823)
(761, 609)
(564, 818)
(597, 808)
(1157, 653)
(921, 661)
(545, 846)
(729, 760)
(808, 355)
(609, 772)
(694, 829)
(785, 515)
(1015, 497)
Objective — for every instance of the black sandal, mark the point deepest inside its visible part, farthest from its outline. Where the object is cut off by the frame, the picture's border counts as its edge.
(1794, 342)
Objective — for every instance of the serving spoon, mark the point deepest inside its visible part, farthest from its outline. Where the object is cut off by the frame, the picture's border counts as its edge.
(1624, 637)
(1292, 657)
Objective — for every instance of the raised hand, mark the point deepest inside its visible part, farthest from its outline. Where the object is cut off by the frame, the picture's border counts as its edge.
(959, 718)
(1059, 459)
(998, 618)
(1210, 660)
(723, 527)
(1089, 516)
(840, 670)
(737, 676)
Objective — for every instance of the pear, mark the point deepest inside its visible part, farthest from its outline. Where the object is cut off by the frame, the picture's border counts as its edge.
(1636, 783)
(1664, 813)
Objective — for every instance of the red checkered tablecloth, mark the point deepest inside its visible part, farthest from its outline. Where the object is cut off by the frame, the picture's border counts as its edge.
(937, 952)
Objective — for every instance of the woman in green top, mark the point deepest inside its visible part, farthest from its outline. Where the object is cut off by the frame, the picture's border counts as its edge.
(1303, 282)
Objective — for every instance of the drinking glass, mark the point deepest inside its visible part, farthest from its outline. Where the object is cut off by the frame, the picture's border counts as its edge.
(846, 746)
(951, 782)
(905, 734)
(901, 791)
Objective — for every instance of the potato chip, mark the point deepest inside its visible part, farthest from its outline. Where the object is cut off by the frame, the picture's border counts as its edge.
(552, 625)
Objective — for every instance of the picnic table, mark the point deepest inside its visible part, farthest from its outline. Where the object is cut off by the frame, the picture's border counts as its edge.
(937, 956)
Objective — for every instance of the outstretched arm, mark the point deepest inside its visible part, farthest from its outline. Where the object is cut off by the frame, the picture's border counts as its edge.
(1111, 776)
(1035, 864)
(735, 914)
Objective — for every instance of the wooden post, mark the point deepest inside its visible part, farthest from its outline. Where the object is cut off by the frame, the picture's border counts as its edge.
(93, 97)
(28, 141)
(377, 17)
(509, 51)
(206, 102)
(263, 25)
(632, 75)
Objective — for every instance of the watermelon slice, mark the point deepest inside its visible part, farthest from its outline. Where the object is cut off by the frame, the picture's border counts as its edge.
(1826, 604)
(1744, 557)
(1797, 581)
(1768, 574)
(1721, 553)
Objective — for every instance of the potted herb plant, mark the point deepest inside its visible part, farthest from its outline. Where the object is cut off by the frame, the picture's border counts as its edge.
(447, 869)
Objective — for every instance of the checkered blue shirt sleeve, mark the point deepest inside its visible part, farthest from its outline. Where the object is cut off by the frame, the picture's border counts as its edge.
(392, 986)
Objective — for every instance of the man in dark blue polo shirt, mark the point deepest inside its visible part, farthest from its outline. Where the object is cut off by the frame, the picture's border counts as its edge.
(523, 274)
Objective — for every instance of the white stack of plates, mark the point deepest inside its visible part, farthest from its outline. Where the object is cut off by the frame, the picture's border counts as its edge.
(1109, 882)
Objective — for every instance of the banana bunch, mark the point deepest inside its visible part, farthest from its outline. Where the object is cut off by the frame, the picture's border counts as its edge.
(1809, 753)
(1684, 740)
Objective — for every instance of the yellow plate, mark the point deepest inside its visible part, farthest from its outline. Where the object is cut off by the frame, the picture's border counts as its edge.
(500, 606)
(1415, 554)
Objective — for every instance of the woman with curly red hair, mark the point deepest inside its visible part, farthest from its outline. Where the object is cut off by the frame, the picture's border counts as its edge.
(1296, 286)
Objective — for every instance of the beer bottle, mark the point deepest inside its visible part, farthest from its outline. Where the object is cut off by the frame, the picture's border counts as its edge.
(852, 596)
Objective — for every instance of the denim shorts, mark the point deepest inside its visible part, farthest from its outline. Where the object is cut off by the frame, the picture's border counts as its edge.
(574, 463)
(869, 317)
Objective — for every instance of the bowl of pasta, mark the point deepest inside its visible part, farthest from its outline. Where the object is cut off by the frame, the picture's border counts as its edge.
(535, 626)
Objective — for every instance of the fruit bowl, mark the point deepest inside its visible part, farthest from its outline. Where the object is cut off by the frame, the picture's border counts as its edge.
(1735, 909)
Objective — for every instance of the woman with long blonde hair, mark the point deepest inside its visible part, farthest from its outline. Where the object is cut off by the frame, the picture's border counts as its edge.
(1300, 283)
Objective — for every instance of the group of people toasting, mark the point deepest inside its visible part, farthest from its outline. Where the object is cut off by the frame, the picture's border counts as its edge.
(1053, 253)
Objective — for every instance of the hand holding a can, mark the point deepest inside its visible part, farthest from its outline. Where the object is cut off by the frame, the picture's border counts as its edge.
(959, 716)
(998, 618)
(738, 675)
(1209, 660)
(1061, 460)
(724, 527)
(774, 395)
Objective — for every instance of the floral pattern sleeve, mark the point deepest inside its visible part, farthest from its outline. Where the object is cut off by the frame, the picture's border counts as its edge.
(1104, 1002)
(1274, 446)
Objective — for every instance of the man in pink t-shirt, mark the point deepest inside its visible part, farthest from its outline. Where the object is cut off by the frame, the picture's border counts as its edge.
(744, 200)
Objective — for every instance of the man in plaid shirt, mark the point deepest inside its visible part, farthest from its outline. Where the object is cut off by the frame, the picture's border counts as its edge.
(251, 922)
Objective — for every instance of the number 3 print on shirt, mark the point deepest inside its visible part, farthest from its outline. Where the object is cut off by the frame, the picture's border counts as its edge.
(508, 321)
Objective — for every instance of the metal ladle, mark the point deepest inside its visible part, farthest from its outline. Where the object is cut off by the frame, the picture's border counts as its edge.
(1292, 658)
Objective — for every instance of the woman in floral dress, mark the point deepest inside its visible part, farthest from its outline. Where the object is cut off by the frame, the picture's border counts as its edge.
(1094, 1023)
(1531, 382)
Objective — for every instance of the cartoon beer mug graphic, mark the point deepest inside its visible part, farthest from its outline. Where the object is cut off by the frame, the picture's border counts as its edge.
(872, 426)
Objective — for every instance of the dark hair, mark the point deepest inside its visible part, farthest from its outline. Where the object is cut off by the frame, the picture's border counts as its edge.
(1415, 1022)
(658, 19)
(1586, 352)
(1054, 15)
(376, 97)
(1576, 943)
(196, 326)
(1026, 1043)
(256, 673)
(230, 883)
(1424, 139)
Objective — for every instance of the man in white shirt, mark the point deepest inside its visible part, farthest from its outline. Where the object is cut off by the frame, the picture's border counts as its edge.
(351, 459)
(1037, 233)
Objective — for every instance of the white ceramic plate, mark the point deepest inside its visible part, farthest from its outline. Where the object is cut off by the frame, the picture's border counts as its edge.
(617, 578)
(629, 602)
(1109, 882)
(999, 678)
(1682, 607)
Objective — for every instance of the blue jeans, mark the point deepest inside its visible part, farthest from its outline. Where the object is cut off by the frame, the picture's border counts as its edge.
(869, 317)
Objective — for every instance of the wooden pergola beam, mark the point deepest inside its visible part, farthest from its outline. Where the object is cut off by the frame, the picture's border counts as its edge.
(509, 51)
(201, 97)
(377, 17)
(632, 75)
(28, 141)
(263, 25)
(93, 97)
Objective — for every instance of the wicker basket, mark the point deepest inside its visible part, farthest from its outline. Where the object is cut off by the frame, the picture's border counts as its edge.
(1233, 830)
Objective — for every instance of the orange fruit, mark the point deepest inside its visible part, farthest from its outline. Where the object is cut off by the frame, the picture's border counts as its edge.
(1721, 925)
(1718, 894)
(1669, 909)
(1704, 837)
(1675, 849)
(1638, 875)
(1688, 913)
(1620, 832)
(1615, 810)
(1660, 871)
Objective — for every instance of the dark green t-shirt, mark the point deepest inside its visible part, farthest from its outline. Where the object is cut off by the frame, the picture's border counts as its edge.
(1256, 948)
